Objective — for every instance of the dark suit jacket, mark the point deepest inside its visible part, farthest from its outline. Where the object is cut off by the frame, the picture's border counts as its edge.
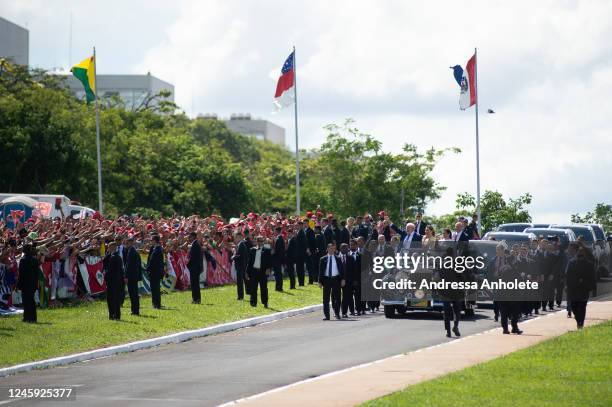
(278, 258)
(421, 229)
(362, 230)
(195, 263)
(155, 261)
(323, 267)
(302, 244)
(328, 233)
(291, 254)
(28, 274)
(310, 240)
(350, 270)
(357, 269)
(265, 263)
(241, 257)
(415, 238)
(320, 244)
(402, 232)
(345, 236)
(581, 279)
(133, 264)
(114, 274)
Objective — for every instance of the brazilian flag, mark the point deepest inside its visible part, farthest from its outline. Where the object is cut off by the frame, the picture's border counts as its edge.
(85, 72)
(43, 290)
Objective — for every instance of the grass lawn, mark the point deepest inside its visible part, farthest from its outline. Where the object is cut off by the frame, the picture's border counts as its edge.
(574, 369)
(77, 328)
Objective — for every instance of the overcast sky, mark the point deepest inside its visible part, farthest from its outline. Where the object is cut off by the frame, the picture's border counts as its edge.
(545, 67)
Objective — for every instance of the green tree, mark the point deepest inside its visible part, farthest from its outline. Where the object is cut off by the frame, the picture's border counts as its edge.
(351, 174)
(601, 215)
(494, 209)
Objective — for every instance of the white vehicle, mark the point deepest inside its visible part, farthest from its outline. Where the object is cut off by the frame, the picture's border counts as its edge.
(81, 212)
(48, 206)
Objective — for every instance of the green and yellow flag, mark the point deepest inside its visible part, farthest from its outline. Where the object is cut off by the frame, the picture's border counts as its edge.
(84, 71)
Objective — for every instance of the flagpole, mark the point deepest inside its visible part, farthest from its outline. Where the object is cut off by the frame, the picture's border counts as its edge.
(477, 144)
(297, 150)
(100, 203)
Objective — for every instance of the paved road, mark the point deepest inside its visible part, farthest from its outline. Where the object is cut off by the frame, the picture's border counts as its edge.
(217, 369)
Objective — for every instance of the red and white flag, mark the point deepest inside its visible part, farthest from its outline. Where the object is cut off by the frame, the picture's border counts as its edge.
(285, 88)
(466, 79)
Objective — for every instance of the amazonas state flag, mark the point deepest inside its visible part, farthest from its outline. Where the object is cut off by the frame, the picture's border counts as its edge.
(285, 95)
(467, 82)
(85, 72)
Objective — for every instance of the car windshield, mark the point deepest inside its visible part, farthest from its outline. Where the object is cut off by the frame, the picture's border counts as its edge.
(507, 237)
(519, 227)
(580, 231)
(599, 234)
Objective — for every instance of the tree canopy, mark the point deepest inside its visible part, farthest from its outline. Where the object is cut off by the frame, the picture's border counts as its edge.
(157, 160)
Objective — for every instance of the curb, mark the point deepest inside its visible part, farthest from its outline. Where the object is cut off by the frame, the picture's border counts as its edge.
(162, 340)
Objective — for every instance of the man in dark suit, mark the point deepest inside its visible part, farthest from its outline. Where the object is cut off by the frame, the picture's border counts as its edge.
(409, 238)
(319, 249)
(195, 266)
(155, 267)
(114, 275)
(291, 256)
(348, 265)
(278, 259)
(581, 280)
(133, 274)
(461, 238)
(260, 261)
(28, 282)
(360, 306)
(345, 236)
(313, 268)
(302, 251)
(331, 279)
(419, 224)
(328, 233)
(241, 260)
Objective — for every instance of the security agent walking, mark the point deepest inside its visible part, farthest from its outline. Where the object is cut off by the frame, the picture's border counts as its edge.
(349, 267)
(155, 267)
(278, 259)
(241, 259)
(509, 307)
(195, 266)
(114, 275)
(260, 261)
(451, 298)
(331, 279)
(28, 282)
(581, 279)
(134, 274)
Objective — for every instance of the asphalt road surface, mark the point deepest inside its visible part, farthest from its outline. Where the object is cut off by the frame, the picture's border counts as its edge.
(217, 369)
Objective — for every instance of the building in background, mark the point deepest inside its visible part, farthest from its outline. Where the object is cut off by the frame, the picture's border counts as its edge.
(14, 42)
(258, 128)
(133, 90)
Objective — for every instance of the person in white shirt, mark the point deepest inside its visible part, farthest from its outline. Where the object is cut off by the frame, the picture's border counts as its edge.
(331, 279)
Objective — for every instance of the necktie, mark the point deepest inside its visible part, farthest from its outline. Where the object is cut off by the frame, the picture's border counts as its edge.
(329, 266)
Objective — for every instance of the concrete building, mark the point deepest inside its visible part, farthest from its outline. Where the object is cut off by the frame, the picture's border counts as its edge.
(14, 42)
(132, 89)
(258, 128)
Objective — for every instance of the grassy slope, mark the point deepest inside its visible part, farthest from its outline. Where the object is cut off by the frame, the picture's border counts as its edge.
(86, 326)
(574, 369)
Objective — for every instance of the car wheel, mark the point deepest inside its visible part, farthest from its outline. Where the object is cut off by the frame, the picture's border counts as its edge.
(401, 309)
(389, 311)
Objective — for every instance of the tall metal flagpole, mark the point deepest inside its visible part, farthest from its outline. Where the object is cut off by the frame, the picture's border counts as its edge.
(297, 150)
(100, 203)
(477, 143)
